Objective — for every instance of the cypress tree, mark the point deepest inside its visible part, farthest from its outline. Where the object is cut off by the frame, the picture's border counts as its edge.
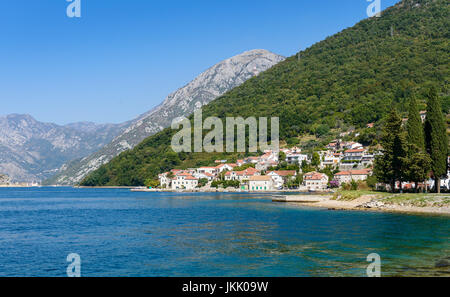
(436, 138)
(418, 161)
(390, 166)
(414, 126)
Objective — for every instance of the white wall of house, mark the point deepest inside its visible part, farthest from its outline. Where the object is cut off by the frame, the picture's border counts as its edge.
(261, 186)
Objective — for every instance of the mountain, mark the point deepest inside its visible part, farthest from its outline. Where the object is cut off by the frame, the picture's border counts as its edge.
(209, 85)
(32, 151)
(347, 80)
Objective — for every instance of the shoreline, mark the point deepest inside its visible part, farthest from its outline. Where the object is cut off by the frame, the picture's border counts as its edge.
(134, 189)
(364, 203)
(324, 200)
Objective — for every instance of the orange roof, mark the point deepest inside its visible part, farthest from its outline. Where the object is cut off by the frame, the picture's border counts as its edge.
(184, 174)
(354, 172)
(250, 170)
(285, 172)
(260, 178)
(314, 176)
(222, 165)
(355, 151)
(191, 178)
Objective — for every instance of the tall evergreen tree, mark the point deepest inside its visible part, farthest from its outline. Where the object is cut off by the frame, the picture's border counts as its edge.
(436, 137)
(414, 126)
(390, 166)
(419, 163)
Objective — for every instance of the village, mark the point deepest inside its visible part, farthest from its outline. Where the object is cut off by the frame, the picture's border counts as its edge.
(341, 163)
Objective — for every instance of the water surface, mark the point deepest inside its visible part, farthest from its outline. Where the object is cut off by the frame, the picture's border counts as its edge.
(121, 233)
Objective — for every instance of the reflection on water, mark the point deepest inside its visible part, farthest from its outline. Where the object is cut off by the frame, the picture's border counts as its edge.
(120, 233)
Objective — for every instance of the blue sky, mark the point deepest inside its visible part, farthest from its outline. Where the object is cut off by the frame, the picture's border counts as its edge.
(123, 57)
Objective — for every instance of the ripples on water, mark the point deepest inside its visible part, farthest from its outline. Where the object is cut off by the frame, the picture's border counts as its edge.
(120, 233)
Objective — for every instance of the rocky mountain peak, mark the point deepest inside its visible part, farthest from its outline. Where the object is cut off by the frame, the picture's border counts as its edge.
(203, 89)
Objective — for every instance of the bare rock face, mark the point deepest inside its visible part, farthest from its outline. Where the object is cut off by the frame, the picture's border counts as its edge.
(208, 86)
(4, 180)
(31, 151)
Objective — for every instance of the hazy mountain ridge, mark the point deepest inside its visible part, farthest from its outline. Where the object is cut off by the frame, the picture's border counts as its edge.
(32, 151)
(209, 85)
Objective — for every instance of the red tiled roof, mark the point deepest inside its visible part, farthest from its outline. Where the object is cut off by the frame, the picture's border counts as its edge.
(355, 151)
(314, 176)
(285, 172)
(184, 174)
(260, 178)
(354, 172)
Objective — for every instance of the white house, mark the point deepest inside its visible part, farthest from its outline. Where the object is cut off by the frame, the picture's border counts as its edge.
(269, 156)
(252, 160)
(355, 175)
(352, 145)
(210, 170)
(296, 158)
(315, 181)
(242, 175)
(260, 183)
(280, 177)
(225, 167)
(354, 154)
(184, 181)
(330, 159)
(207, 176)
(263, 166)
(164, 181)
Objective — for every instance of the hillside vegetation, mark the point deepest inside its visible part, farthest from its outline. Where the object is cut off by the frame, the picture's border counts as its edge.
(350, 79)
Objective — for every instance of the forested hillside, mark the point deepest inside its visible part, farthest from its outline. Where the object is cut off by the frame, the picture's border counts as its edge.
(350, 79)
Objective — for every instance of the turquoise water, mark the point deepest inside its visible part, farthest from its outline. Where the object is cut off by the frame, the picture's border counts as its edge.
(120, 233)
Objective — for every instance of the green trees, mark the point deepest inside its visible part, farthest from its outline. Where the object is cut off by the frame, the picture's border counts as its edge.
(414, 126)
(202, 182)
(417, 162)
(436, 138)
(418, 166)
(151, 183)
(315, 161)
(389, 167)
(411, 155)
